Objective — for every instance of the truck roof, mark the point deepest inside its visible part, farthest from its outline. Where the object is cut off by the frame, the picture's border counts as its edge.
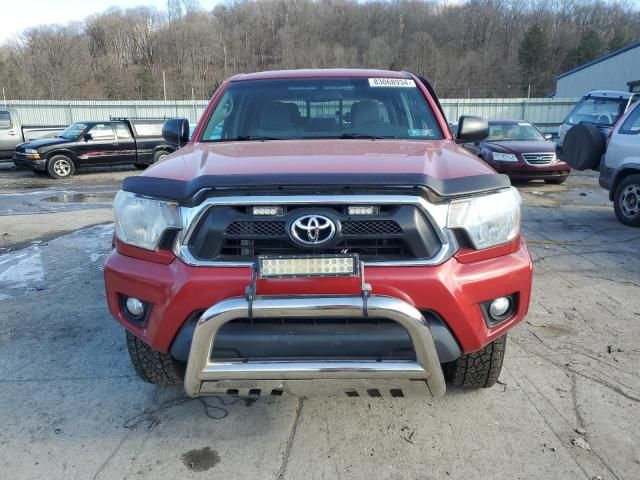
(320, 73)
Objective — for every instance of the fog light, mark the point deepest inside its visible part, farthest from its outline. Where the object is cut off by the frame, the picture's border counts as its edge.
(499, 307)
(134, 306)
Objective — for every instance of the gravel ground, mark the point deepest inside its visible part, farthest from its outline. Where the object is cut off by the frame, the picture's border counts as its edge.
(567, 405)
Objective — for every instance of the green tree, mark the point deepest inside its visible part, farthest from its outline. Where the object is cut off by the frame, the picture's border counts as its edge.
(532, 58)
(590, 47)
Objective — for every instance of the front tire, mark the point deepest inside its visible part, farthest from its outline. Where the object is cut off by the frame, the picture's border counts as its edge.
(60, 166)
(151, 366)
(626, 201)
(478, 369)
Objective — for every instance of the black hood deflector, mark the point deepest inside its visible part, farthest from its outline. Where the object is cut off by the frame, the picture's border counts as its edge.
(189, 193)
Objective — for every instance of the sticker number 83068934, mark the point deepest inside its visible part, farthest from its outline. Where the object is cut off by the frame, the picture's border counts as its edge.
(391, 82)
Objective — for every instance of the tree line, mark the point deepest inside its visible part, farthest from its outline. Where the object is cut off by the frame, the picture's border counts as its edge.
(476, 48)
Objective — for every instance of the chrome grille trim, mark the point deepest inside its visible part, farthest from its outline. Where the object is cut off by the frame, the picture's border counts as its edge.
(436, 213)
(543, 158)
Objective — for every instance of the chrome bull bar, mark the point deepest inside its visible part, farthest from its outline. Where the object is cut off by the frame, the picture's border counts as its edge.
(207, 376)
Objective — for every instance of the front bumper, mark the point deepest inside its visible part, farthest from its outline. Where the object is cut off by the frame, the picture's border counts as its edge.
(453, 291)
(21, 162)
(206, 376)
(523, 171)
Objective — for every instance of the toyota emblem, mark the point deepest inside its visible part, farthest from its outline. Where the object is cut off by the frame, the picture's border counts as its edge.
(312, 230)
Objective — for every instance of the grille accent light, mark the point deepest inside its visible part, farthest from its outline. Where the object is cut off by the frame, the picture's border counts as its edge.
(267, 210)
(363, 210)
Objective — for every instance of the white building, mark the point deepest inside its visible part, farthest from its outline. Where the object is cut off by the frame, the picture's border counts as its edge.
(620, 70)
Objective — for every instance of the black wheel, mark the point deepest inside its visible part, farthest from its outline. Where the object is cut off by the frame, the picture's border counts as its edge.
(60, 166)
(556, 181)
(582, 147)
(626, 201)
(151, 366)
(478, 369)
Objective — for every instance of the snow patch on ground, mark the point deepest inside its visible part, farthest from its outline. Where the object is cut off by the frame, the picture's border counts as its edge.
(27, 269)
(24, 271)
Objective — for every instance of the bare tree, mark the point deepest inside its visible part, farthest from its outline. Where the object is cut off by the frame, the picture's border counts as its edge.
(477, 47)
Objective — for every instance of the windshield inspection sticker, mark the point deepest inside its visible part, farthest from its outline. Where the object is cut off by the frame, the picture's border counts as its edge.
(391, 82)
(419, 132)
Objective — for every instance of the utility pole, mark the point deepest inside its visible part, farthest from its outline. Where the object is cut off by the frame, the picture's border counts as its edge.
(164, 86)
(529, 92)
(4, 98)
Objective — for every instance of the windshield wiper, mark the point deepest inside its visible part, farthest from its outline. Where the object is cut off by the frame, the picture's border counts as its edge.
(366, 136)
(244, 138)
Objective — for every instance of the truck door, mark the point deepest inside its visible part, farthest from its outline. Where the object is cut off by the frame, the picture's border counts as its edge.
(126, 143)
(9, 135)
(98, 146)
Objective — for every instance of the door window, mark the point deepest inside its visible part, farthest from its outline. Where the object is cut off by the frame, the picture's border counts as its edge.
(122, 131)
(631, 125)
(5, 120)
(102, 132)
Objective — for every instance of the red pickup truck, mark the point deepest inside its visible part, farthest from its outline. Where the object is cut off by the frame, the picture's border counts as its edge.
(321, 231)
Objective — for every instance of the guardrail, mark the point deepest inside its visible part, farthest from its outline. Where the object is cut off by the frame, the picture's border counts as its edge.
(546, 113)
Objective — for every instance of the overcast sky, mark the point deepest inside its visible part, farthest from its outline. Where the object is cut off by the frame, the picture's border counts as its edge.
(20, 14)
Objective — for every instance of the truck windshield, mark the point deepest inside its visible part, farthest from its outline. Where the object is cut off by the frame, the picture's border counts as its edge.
(522, 131)
(73, 131)
(597, 110)
(311, 108)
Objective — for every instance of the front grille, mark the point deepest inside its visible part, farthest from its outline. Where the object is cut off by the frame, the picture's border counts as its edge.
(371, 227)
(539, 158)
(397, 232)
(380, 248)
(261, 228)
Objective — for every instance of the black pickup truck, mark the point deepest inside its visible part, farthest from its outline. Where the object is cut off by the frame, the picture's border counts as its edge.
(91, 144)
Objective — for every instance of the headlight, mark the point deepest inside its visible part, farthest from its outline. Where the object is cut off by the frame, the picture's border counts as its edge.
(142, 221)
(30, 151)
(489, 220)
(504, 157)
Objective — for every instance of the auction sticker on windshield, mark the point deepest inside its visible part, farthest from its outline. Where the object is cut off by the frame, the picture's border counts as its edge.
(391, 82)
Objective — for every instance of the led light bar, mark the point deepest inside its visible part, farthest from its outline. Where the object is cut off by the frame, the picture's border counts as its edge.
(266, 210)
(309, 266)
(363, 210)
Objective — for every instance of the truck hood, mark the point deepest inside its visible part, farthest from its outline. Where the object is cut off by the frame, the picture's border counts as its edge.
(438, 159)
(44, 142)
(282, 166)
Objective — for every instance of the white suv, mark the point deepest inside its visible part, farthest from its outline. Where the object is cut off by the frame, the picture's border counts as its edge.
(620, 167)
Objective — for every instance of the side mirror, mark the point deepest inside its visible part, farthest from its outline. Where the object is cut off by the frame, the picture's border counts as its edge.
(87, 137)
(176, 131)
(548, 137)
(471, 129)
